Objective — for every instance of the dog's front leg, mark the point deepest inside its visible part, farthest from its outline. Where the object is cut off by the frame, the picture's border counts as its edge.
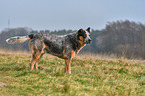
(68, 66)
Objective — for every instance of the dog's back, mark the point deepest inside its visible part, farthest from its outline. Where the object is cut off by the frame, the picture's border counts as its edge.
(54, 44)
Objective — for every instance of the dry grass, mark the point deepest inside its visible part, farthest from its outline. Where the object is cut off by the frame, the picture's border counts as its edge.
(97, 56)
(5, 51)
(107, 57)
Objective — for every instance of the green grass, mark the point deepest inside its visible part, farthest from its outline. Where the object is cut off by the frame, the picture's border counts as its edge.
(88, 78)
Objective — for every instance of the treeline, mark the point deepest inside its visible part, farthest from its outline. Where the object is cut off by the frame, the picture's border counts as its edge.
(125, 38)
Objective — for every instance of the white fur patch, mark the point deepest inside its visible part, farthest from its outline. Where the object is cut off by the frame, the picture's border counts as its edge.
(88, 35)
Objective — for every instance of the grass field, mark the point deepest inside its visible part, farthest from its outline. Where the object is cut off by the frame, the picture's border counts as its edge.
(90, 77)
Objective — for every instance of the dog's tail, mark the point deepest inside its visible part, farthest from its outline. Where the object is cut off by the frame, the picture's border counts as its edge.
(18, 39)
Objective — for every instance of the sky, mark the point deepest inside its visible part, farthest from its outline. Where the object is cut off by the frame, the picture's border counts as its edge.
(68, 14)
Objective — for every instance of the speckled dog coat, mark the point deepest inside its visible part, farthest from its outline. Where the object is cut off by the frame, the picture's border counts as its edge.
(63, 46)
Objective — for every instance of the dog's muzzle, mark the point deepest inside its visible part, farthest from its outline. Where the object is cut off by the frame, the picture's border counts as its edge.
(88, 41)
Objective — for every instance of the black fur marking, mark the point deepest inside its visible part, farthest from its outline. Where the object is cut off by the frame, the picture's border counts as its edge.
(30, 36)
(82, 33)
(88, 29)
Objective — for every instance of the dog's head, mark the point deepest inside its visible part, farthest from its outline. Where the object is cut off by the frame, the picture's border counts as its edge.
(84, 35)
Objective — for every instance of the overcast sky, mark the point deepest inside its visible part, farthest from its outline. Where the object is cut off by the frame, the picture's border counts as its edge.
(68, 14)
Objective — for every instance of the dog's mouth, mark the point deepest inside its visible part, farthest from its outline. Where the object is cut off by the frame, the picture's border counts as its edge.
(88, 41)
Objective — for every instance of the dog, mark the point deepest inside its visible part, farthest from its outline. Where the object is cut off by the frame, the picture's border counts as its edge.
(63, 46)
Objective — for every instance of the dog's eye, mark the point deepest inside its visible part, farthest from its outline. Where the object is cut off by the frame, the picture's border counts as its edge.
(85, 36)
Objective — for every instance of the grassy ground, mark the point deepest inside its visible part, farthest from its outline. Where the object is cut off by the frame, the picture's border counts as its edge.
(90, 77)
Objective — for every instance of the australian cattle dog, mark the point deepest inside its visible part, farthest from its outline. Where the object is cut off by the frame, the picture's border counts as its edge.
(63, 46)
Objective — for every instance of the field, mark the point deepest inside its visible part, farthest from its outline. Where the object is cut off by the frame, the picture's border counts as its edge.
(90, 77)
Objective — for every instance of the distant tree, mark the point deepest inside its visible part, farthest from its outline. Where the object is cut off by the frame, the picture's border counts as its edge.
(33, 32)
(123, 37)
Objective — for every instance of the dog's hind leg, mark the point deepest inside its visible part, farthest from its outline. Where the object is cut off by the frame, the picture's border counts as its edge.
(35, 54)
(35, 57)
(37, 50)
(41, 54)
(38, 60)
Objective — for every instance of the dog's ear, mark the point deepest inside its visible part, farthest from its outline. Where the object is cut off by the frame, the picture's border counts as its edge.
(79, 34)
(88, 29)
(79, 31)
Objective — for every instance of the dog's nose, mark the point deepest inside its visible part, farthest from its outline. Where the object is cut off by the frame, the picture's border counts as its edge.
(90, 40)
